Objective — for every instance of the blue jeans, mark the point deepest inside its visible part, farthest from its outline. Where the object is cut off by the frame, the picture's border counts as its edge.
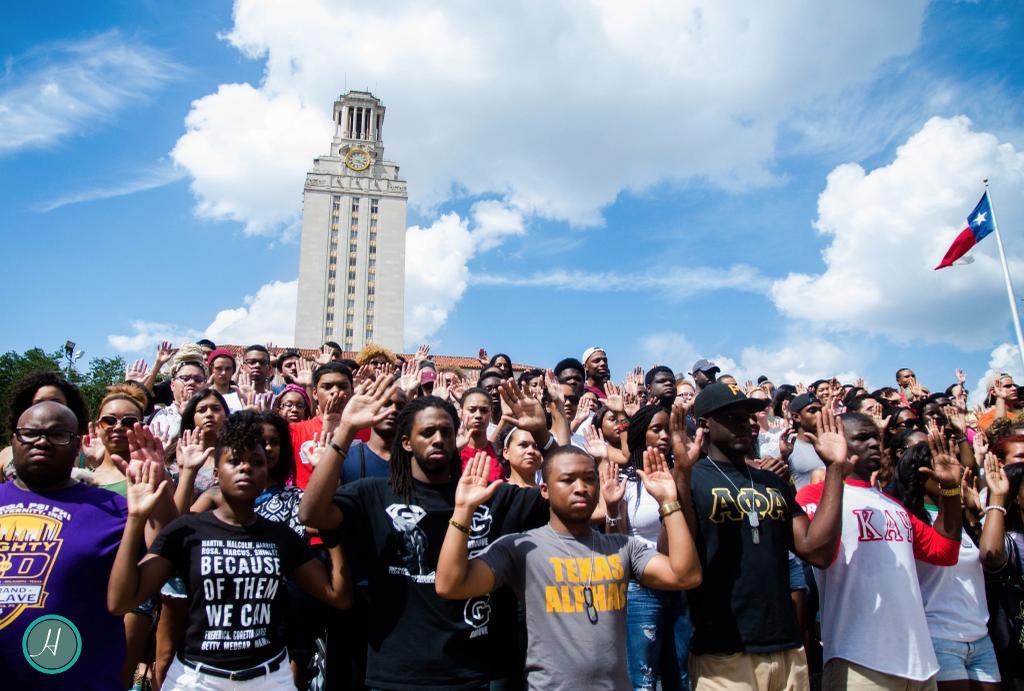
(658, 635)
(975, 661)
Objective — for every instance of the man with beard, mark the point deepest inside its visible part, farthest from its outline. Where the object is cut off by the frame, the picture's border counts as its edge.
(704, 373)
(416, 638)
(595, 361)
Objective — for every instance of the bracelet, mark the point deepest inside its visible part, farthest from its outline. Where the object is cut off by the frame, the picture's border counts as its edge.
(669, 508)
(950, 491)
(614, 521)
(458, 526)
(995, 507)
(337, 448)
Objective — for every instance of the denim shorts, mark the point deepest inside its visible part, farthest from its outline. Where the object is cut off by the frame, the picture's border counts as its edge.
(961, 660)
(797, 579)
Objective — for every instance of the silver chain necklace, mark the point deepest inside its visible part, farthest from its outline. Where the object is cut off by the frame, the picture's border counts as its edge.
(752, 518)
(588, 593)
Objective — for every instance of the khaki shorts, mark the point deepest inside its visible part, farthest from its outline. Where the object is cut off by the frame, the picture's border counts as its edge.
(783, 670)
(843, 674)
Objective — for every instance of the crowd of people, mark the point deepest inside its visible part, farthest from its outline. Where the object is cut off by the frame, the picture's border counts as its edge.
(259, 520)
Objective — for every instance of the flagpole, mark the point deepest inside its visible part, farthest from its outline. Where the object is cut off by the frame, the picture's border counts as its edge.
(1006, 276)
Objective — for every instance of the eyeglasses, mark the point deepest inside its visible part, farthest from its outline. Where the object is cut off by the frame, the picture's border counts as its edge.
(255, 362)
(194, 379)
(108, 421)
(588, 601)
(57, 437)
(300, 405)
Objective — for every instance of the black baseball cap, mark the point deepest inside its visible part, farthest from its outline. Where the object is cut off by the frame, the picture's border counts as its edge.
(802, 401)
(717, 396)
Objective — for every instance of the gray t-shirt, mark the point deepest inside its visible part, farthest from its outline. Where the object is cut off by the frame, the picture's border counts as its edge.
(548, 572)
(802, 462)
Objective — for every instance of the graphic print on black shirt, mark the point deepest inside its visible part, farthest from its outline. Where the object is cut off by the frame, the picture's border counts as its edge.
(416, 638)
(743, 603)
(234, 577)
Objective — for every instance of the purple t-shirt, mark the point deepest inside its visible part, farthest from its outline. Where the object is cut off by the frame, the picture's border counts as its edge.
(56, 553)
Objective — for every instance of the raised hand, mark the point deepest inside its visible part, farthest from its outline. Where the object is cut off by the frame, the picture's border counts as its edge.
(613, 398)
(583, 410)
(165, 352)
(422, 353)
(774, 465)
(441, 389)
(957, 419)
(145, 490)
(325, 355)
(261, 402)
(136, 371)
(365, 373)
(860, 383)
(473, 488)
(554, 389)
(657, 477)
(526, 412)
(995, 478)
(612, 488)
(304, 377)
(961, 378)
(316, 452)
(482, 356)
(633, 384)
(190, 454)
(685, 450)
(980, 444)
(830, 441)
(786, 444)
(93, 448)
(409, 380)
(970, 498)
(800, 388)
(244, 382)
(946, 469)
(457, 388)
(370, 402)
(594, 443)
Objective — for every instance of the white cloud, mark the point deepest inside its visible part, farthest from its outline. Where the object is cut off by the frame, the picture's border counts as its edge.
(156, 176)
(267, 316)
(556, 108)
(59, 89)
(247, 152)
(678, 282)
(889, 227)
(148, 334)
(437, 262)
(1005, 358)
(811, 359)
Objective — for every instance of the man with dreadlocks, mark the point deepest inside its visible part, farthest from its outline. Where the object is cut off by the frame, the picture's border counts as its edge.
(416, 638)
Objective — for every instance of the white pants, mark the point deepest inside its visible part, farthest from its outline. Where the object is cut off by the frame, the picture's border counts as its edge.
(182, 678)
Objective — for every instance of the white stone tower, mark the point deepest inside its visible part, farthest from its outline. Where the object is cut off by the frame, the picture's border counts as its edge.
(352, 256)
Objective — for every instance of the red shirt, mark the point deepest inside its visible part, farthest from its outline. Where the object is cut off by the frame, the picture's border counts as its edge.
(302, 441)
(495, 472)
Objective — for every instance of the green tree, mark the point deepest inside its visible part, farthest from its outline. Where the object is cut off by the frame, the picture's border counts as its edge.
(14, 366)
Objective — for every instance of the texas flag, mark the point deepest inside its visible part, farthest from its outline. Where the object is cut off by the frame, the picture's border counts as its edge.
(979, 224)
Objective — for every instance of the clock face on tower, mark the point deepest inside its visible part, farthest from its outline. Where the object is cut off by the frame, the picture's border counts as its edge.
(357, 159)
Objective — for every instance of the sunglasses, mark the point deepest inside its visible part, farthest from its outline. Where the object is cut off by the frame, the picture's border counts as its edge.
(195, 379)
(109, 421)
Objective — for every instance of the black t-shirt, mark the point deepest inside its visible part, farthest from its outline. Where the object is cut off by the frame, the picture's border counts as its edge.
(743, 603)
(234, 577)
(417, 639)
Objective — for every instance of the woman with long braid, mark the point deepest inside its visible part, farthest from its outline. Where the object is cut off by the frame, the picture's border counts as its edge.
(414, 633)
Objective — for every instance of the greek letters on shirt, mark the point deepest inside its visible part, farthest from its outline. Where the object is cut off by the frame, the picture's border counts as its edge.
(890, 526)
(604, 574)
(726, 507)
(240, 579)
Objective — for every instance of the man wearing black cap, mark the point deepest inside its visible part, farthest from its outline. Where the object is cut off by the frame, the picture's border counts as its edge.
(803, 461)
(704, 373)
(746, 521)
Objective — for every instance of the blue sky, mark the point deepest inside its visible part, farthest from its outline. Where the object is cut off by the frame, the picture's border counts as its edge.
(673, 181)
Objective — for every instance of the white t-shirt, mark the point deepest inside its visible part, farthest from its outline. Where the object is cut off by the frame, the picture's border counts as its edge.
(644, 522)
(954, 596)
(871, 610)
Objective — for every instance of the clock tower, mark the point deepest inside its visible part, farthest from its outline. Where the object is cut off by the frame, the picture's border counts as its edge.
(352, 253)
